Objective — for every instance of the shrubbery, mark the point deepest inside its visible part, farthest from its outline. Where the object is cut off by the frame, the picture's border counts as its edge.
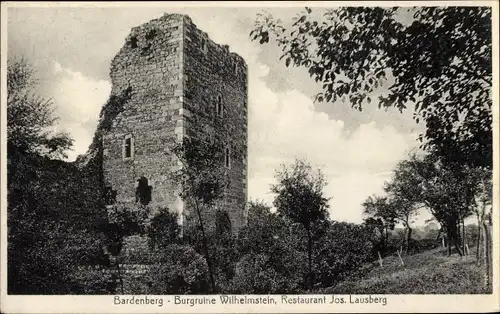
(345, 248)
(268, 255)
(178, 270)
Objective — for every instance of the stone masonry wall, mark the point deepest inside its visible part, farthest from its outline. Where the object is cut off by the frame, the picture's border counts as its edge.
(210, 72)
(150, 64)
(171, 76)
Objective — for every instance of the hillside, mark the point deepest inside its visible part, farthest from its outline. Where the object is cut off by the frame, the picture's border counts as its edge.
(430, 272)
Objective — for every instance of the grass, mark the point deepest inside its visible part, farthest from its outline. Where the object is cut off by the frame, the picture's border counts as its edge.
(430, 272)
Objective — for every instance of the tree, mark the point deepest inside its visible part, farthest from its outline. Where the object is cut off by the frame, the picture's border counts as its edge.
(223, 248)
(178, 269)
(52, 206)
(164, 229)
(264, 230)
(482, 201)
(482, 208)
(30, 117)
(299, 197)
(203, 176)
(271, 260)
(404, 197)
(439, 61)
(447, 190)
(382, 216)
(344, 248)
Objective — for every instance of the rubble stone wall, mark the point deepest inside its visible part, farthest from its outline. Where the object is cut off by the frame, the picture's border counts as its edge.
(212, 74)
(171, 75)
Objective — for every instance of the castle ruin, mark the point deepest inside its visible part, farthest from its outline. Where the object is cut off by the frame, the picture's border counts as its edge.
(172, 72)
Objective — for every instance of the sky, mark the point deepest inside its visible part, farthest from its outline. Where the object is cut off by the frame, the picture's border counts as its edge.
(71, 49)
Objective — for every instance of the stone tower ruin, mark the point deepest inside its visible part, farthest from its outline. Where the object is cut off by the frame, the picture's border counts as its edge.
(168, 72)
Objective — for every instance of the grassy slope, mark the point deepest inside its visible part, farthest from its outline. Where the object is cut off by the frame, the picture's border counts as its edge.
(430, 272)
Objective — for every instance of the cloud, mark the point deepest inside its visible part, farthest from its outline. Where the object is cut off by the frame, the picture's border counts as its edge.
(283, 124)
(78, 101)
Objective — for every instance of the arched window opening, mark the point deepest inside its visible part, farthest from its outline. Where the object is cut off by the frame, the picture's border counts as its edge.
(143, 191)
(219, 106)
(128, 147)
(133, 42)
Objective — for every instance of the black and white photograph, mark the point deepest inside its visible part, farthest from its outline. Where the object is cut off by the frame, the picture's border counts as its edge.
(276, 154)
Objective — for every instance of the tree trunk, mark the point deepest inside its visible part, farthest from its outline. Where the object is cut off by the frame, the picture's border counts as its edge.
(464, 238)
(309, 260)
(408, 240)
(448, 241)
(205, 248)
(119, 274)
(404, 244)
(487, 254)
(455, 238)
(478, 241)
(386, 240)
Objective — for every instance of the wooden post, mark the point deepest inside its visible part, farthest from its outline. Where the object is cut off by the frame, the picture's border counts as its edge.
(399, 255)
(380, 259)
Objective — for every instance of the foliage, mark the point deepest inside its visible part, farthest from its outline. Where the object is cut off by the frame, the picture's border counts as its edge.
(343, 250)
(299, 197)
(262, 274)
(272, 257)
(381, 217)
(113, 108)
(299, 194)
(400, 203)
(52, 206)
(402, 195)
(447, 190)
(93, 279)
(439, 61)
(163, 229)
(30, 117)
(130, 221)
(51, 228)
(262, 229)
(225, 250)
(202, 175)
(222, 246)
(181, 270)
(379, 208)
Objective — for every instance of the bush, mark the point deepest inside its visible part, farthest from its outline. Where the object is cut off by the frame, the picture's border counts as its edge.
(179, 269)
(164, 229)
(93, 280)
(273, 259)
(266, 274)
(223, 250)
(343, 250)
(426, 244)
